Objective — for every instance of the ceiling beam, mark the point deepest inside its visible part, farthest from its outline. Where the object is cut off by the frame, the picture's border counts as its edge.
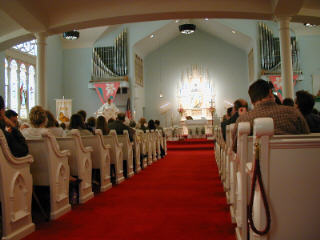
(30, 21)
(285, 8)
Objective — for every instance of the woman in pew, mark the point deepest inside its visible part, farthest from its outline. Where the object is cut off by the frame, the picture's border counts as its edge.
(38, 120)
(76, 122)
(102, 125)
(51, 125)
(305, 103)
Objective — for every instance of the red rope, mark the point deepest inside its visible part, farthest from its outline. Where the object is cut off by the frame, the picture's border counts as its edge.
(258, 177)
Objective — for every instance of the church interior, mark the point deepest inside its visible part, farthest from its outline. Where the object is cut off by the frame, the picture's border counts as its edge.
(183, 63)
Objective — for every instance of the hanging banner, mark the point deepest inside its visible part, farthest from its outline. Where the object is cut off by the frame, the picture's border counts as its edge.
(106, 90)
(276, 81)
(63, 110)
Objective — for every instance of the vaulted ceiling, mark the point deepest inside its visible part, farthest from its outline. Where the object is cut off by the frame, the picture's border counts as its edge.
(20, 19)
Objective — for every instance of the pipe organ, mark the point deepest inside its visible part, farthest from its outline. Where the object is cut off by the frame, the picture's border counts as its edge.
(111, 61)
(270, 52)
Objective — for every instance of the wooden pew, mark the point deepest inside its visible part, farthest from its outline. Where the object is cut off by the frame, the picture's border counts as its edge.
(153, 141)
(165, 142)
(143, 148)
(51, 168)
(137, 141)
(158, 139)
(289, 165)
(149, 146)
(127, 149)
(100, 158)
(15, 193)
(80, 163)
(116, 154)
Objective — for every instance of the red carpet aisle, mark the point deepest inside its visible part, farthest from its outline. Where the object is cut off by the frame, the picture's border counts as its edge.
(178, 197)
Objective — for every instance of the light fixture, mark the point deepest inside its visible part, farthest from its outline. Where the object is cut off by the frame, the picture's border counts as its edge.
(309, 25)
(161, 95)
(177, 21)
(152, 36)
(71, 35)
(187, 28)
(233, 31)
(206, 19)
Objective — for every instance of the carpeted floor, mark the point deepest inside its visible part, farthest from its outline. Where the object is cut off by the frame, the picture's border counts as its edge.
(178, 197)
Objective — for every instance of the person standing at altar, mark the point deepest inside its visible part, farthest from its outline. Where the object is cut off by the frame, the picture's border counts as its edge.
(119, 126)
(109, 109)
(240, 106)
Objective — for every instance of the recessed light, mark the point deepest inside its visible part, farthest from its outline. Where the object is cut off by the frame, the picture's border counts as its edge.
(152, 36)
(233, 31)
(206, 19)
(161, 95)
(177, 21)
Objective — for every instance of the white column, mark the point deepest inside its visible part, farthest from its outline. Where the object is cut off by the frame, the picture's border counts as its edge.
(41, 81)
(286, 58)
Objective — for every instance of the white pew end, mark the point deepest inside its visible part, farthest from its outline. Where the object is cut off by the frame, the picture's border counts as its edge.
(116, 155)
(127, 149)
(136, 151)
(51, 168)
(15, 193)
(100, 158)
(80, 163)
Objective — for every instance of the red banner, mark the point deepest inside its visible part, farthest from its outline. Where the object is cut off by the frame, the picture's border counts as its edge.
(106, 90)
(276, 81)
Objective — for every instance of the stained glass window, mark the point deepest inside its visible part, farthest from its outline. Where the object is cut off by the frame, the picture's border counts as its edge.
(28, 47)
(19, 86)
(23, 91)
(31, 90)
(13, 86)
(6, 82)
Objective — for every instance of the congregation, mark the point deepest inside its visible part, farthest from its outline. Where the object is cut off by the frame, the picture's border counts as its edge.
(290, 117)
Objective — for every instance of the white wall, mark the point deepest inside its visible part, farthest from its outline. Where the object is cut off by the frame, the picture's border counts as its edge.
(227, 66)
(2, 57)
(54, 74)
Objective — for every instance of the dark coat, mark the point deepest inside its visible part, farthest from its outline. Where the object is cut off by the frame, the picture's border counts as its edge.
(120, 127)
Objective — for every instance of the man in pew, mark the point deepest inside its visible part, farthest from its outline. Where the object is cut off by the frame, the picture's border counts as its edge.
(15, 139)
(240, 106)
(119, 126)
(287, 120)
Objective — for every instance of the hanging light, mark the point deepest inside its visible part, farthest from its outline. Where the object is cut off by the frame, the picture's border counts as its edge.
(71, 35)
(187, 28)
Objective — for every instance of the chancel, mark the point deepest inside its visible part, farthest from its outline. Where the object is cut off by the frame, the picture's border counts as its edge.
(159, 119)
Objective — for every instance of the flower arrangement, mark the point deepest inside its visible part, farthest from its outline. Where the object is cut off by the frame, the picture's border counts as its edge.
(212, 109)
(181, 111)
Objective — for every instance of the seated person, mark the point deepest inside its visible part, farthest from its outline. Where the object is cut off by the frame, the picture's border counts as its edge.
(240, 106)
(119, 126)
(76, 122)
(142, 123)
(52, 125)
(13, 116)
(38, 120)
(189, 118)
(102, 125)
(305, 103)
(132, 124)
(83, 114)
(151, 125)
(288, 102)
(16, 142)
(287, 120)
(91, 122)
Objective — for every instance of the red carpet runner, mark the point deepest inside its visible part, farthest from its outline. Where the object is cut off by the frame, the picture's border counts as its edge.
(178, 197)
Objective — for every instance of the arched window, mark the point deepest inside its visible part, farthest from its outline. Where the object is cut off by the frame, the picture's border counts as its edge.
(31, 87)
(20, 80)
(13, 81)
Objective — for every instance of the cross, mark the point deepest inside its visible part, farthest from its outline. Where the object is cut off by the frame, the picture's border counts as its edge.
(211, 102)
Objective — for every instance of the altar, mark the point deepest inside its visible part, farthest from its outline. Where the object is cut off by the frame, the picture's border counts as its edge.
(196, 128)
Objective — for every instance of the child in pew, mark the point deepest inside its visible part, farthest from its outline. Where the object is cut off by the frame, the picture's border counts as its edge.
(15, 139)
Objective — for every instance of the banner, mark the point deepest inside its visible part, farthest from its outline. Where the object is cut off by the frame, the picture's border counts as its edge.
(276, 81)
(106, 90)
(63, 110)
